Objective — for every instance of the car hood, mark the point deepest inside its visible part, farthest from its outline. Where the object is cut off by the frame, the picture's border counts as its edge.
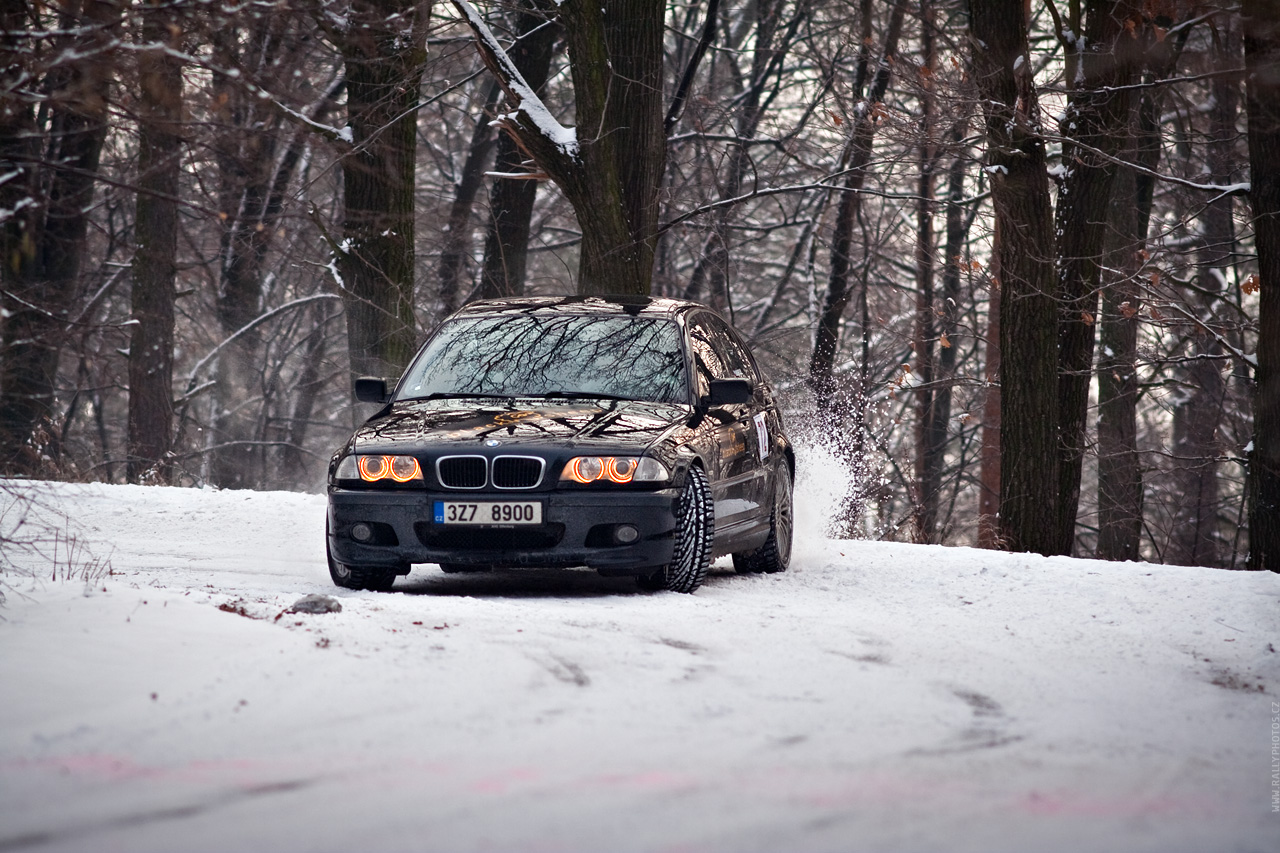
(620, 425)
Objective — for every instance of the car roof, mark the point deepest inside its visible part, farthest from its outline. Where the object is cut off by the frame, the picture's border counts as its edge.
(635, 306)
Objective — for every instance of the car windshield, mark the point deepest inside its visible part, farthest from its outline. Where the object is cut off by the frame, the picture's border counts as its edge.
(536, 355)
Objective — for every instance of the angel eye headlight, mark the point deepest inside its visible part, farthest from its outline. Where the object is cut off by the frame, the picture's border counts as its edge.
(402, 469)
(584, 469)
(374, 469)
(614, 469)
(620, 470)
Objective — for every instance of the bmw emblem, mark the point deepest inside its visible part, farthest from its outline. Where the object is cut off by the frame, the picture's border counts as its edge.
(493, 442)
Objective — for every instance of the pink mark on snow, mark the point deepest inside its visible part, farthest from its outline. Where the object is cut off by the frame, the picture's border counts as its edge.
(502, 782)
(118, 768)
(1080, 805)
(510, 779)
(650, 780)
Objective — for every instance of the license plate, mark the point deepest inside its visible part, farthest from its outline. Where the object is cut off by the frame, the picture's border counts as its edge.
(488, 513)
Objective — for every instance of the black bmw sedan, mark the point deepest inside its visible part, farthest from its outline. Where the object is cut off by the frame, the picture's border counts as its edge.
(634, 436)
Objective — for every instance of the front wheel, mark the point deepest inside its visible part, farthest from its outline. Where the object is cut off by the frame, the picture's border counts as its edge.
(695, 532)
(373, 578)
(775, 554)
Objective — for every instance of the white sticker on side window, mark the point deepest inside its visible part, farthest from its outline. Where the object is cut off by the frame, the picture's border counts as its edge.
(762, 435)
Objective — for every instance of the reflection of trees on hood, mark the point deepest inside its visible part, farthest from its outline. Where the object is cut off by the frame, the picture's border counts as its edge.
(418, 421)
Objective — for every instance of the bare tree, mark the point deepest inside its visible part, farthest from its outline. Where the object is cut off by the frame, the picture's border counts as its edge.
(989, 476)
(1015, 159)
(710, 275)
(156, 231)
(257, 150)
(1199, 411)
(383, 46)
(1120, 478)
(49, 157)
(457, 240)
(1103, 51)
(1119, 463)
(870, 84)
(513, 191)
(609, 167)
(1262, 62)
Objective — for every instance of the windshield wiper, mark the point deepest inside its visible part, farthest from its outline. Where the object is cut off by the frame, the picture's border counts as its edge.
(460, 395)
(584, 395)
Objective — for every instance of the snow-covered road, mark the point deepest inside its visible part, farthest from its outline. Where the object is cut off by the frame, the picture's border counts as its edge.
(877, 697)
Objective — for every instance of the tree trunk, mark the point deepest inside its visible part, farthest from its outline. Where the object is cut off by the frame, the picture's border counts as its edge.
(1120, 489)
(1261, 21)
(937, 436)
(308, 387)
(456, 247)
(618, 87)
(710, 277)
(1119, 467)
(1015, 159)
(506, 245)
(43, 241)
(610, 168)
(989, 467)
(856, 160)
(154, 262)
(1095, 124)
(930, 434)
(1196, 539)
(383, 49)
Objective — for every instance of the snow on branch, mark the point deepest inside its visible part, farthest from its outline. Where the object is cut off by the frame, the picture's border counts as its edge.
(1240, 188)
(527, 103)
(1236, 352)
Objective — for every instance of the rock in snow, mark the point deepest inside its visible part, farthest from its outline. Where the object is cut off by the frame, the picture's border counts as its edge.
(314, 603)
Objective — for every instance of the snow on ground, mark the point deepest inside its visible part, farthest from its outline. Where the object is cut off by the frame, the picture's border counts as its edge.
(877, 697)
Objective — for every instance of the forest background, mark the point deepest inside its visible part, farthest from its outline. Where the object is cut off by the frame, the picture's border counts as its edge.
(1017, 264)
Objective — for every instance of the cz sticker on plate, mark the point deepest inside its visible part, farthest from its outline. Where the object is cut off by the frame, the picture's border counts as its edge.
(488, 513)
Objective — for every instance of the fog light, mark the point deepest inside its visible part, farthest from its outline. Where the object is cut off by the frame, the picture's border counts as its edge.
(361, 532)
(625, 534)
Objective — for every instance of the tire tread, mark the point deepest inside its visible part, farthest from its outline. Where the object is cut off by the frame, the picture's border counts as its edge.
(695, 535)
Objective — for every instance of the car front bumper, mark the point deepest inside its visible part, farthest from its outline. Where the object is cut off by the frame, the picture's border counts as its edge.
(576, 530)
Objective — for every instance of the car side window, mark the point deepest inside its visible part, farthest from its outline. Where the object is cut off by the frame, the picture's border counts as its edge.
(737, 357)
(707, 360)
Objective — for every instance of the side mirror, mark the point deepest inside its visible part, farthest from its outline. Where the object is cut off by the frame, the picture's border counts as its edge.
(370, 389)
(730, 392)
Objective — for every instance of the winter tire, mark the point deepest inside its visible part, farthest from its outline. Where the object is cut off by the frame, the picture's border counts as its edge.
(775, 554)
(695, 532)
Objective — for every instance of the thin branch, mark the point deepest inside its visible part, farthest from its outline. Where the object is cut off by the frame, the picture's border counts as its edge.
(252, 324)
(823, 184)
(531, 116)
(1251, 360)
(1239, 189)
(686, 82)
